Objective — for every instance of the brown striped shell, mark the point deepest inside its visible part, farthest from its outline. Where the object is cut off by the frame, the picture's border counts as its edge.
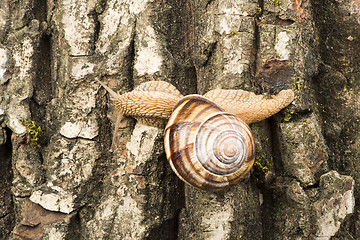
(207, 147)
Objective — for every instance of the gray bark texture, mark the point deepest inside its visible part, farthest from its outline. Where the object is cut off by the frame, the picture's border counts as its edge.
(64, 183)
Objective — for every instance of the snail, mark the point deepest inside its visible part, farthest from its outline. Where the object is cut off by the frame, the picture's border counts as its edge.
(208, 141)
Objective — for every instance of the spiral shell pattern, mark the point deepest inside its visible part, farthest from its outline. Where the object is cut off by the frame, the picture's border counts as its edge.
(207, 147)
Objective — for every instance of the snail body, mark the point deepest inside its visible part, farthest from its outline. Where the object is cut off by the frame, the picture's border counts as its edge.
(150, 103)
(208, 142)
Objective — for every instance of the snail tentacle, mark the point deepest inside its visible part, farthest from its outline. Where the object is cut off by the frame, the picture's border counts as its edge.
(112, 93)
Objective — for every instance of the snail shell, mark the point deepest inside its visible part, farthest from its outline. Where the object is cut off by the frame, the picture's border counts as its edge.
(207, 147)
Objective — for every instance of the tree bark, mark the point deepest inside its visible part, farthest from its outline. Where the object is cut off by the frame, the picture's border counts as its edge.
(65, 183)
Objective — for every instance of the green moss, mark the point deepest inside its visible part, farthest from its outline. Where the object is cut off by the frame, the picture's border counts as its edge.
(299, 85)
(33, 131)
(262, 164)
(261, 167)
(276, 2)
(288, 115)
(236, 237)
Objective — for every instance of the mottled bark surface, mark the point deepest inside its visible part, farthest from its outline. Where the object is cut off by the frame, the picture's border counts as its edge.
(66, 184)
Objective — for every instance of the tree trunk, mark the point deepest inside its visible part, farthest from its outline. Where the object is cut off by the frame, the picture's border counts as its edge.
(63, 182)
